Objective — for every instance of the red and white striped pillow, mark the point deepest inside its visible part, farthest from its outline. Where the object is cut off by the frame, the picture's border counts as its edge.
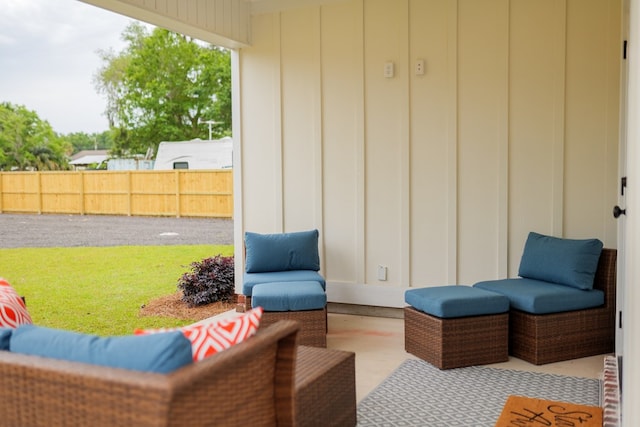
(210, 338)
(13, 311)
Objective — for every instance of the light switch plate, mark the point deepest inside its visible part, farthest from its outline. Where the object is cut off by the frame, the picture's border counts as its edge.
(388, 69)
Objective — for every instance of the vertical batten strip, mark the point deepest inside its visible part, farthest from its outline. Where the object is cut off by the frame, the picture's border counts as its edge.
(559, 58)
(452, 142)
(277, 137)
(405, 158)
(502, 258)
(361, 232)
(317, 131)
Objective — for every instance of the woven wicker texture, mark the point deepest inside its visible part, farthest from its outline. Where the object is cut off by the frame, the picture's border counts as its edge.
(325, 388)
(548, 338)
(251, 383)
(456, 342)
(313, 323)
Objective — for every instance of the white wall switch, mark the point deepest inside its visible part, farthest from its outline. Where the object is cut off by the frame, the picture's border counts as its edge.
(388, 69)
(420, 67)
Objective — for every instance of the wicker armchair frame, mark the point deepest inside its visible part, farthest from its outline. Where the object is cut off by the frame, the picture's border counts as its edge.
(325, 388)
(547, 338)
(252, 383)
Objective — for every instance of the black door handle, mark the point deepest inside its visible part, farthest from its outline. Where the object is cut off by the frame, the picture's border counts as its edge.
(617, 211)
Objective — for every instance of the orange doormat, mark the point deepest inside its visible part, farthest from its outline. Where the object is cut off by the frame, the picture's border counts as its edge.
(528, 412)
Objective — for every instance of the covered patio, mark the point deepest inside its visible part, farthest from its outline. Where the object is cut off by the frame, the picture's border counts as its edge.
(425, 139)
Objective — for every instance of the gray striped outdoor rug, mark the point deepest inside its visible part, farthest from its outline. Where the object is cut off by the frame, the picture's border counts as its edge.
(419, 394)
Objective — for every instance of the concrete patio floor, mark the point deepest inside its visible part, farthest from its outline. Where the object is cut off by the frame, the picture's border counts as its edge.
(379, 346)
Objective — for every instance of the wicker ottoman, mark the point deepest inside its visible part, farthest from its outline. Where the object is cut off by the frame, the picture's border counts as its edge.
(305, 302)
(455, 326)
(325, 388)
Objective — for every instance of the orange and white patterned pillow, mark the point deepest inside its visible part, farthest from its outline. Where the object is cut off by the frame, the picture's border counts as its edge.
(210, 338)
(13, 311)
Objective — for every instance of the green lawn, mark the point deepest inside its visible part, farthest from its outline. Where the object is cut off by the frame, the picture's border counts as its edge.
(99, 290)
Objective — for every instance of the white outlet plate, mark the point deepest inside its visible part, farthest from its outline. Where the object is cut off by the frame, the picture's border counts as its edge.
(382, 273)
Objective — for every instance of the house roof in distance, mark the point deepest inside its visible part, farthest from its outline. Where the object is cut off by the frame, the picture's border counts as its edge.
(87, 157)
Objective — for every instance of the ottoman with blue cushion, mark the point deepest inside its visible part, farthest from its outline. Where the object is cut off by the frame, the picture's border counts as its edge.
(304, 301)
(456, 326)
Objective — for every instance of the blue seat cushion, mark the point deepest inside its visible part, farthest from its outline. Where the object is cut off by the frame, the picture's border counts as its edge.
(568, 262)
(456, 301)
(160, 353)
(289, 296)
(539, 297)
(281, 251)
(252, 279)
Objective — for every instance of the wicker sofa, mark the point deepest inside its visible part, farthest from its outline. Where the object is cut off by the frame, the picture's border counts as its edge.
(251, 383)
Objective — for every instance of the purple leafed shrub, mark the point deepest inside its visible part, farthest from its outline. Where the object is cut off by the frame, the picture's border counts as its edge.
(210, 280)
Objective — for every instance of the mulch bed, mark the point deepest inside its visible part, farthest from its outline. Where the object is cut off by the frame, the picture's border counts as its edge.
(173, 306)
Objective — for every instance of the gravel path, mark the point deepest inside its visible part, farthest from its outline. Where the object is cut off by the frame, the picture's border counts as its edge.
(31, 231)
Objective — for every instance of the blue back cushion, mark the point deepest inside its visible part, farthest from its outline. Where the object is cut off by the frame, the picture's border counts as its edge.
(161, 353)
(566, 262)
(282, 251)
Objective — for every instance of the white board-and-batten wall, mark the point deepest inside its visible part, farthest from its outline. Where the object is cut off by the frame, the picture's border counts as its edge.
(439, 177)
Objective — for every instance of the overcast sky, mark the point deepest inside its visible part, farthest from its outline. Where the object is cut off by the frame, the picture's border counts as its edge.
(48, 57)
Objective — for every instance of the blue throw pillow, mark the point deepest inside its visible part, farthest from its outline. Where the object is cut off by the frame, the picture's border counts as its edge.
(160, 353)
(5, 337)
(567, 262)
(281, 252)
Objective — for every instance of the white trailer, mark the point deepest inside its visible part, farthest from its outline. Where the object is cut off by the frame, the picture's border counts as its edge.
(195, 154)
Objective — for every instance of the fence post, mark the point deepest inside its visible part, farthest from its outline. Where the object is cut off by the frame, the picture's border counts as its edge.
(130, 195)
(82, 195)
(39, 176)
(178, 212)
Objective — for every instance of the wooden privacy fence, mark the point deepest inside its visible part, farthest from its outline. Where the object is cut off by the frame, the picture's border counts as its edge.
(193, 193)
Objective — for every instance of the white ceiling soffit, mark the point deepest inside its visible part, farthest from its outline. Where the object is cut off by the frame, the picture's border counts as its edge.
(212, 29)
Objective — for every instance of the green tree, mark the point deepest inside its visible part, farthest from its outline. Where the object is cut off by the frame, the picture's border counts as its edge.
(84, 141)
(162, 87)
(29, 143)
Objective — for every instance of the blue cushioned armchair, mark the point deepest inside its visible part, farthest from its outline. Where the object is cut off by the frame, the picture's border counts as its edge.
(563, 304)
(282, 276)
